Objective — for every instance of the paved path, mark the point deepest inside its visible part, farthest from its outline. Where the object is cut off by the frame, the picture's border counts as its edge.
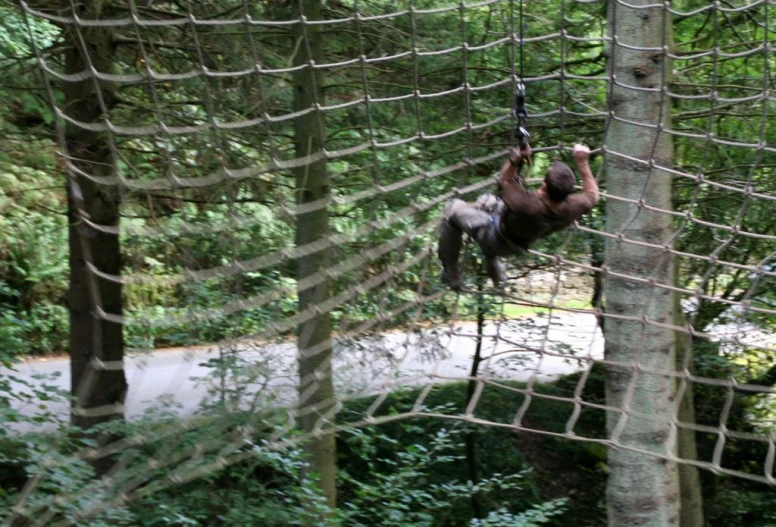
(180, 380)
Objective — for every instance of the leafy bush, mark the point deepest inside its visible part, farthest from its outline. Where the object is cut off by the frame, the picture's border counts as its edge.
(406, 479)
(268, 487)
(403, 488)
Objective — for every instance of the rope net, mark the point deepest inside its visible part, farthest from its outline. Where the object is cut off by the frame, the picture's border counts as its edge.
(196, 113)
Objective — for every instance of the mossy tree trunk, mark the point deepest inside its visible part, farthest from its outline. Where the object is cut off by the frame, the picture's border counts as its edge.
(98, 382)
(642, 489)
(316, 389)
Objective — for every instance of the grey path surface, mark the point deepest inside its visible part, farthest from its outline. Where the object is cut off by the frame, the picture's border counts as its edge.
(180, 380)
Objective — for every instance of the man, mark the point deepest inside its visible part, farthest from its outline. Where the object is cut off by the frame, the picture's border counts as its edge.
(510, 226)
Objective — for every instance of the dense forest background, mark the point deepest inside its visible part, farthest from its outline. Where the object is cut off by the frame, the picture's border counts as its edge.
(417, 108)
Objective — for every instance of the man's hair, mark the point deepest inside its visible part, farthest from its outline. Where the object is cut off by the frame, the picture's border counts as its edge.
(560, 181)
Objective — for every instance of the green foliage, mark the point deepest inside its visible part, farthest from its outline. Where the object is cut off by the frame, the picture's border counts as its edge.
(34, 247)
(539, 515)
(403, 488)
(269, 486)
(15, 32)
(551, 468)
(60, 473)
(12, 330)
(737, 504)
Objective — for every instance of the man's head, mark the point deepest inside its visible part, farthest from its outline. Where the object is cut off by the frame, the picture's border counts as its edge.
(559, 181)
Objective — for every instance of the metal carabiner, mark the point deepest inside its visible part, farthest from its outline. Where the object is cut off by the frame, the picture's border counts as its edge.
(520, 110)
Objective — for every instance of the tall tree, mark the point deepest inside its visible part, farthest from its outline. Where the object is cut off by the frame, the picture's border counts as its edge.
(642, 489)
(687, 448)
(316, 388)
(96, 342)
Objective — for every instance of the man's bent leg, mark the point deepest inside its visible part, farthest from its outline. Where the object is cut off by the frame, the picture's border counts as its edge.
(450, 241)
(458, 217)
(494, 245)
(496, 270)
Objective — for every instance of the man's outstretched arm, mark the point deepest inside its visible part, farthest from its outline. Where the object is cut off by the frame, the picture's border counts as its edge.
(510, 172)
(581, 154)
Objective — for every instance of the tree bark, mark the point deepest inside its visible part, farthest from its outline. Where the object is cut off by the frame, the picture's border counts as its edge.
(472, 454)
(642, 489)
(316, 389)
(689, 479)
(94, 339)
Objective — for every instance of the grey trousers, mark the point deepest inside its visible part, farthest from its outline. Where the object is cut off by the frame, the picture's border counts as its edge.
(480, 221)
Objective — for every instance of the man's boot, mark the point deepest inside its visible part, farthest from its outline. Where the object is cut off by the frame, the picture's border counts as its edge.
(451, 275)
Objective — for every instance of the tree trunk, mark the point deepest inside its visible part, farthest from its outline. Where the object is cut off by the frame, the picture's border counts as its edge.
(642, 489)
(96, 343)
(316, 389)
(472, 457)
(689, 479)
